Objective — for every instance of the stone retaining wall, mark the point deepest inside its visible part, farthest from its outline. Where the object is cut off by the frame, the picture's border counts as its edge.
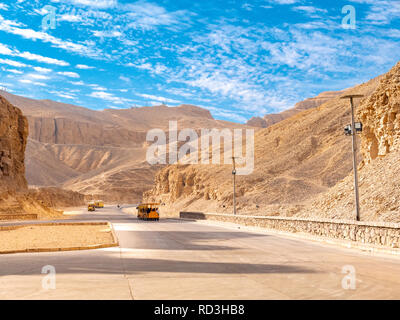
(30, 216)
(377, 233)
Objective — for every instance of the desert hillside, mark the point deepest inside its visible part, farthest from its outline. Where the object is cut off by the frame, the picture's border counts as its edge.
(380, 171)
(295, 160)
(99, 153)
(270, 119)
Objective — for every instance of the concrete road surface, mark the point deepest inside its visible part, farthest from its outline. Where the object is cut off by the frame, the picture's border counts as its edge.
(173, 259)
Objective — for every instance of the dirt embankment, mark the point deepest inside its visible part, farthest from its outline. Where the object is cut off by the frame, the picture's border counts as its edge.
(57, 198)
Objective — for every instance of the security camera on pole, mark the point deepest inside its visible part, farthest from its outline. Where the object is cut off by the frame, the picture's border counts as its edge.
(352, 130)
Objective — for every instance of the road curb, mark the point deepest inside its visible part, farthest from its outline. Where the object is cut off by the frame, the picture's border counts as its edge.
(115, 242)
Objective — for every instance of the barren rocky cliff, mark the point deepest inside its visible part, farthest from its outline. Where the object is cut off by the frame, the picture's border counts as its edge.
(15, 198)
(13, 137)
(380, 170)
(296, 160)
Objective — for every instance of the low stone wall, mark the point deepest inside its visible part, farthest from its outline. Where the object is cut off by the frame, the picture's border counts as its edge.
(30, 216)
(377, 233)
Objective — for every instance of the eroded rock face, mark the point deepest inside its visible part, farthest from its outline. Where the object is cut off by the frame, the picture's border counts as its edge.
(13, 137)
(380, 114)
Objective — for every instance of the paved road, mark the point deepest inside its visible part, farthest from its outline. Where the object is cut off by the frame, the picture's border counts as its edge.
(173, 259)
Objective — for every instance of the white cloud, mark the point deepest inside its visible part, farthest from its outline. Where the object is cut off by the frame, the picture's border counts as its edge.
(38, 76)
(144, 66)
(64, 95)
(100, 4)
(14, 71)
(77, 83)
(11, 27)
(39, 58)
(147, 16)
(69, 74)
(67, 96)
(107, 34)
(158, 99)
(12, 63)
(381, 12)
(106, 96)
(27, 81)
(42, 70)
(70, 18)
(310, 9)
(83, 66)
(97, 87)
(5, 50)
(126, 79)
(283, 1)
(3, 6)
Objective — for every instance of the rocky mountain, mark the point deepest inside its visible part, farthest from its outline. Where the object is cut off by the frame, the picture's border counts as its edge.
(380, 170)
(99, 153)
(270, 119)
(15, 198)
(296, 159)
(13, 137)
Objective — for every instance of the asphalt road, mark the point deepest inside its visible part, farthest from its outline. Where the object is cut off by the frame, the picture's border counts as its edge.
(173, 259)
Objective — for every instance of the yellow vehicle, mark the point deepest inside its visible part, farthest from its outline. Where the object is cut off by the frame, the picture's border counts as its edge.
(148, 211)
(91, 207)
(99, 204)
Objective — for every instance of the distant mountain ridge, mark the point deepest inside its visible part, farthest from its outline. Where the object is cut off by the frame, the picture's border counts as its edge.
(99, 152)
(270, 119)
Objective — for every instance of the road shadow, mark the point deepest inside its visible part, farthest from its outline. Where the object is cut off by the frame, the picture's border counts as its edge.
(111, 264)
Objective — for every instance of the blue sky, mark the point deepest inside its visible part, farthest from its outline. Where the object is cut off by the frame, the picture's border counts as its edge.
(236, 58)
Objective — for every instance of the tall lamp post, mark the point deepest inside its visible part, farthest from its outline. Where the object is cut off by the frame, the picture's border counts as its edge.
(352, 130)
(234, 185)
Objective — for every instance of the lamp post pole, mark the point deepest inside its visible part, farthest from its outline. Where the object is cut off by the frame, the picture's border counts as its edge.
(234, 185)
(354, 149)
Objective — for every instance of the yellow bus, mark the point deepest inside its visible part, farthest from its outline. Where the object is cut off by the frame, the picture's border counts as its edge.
(148, 211)
(99, 204)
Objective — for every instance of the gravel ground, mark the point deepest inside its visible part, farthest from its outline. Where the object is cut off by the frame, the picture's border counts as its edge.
(63, 236)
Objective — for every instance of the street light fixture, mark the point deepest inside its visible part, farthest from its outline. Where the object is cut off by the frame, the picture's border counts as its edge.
(349, 131)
